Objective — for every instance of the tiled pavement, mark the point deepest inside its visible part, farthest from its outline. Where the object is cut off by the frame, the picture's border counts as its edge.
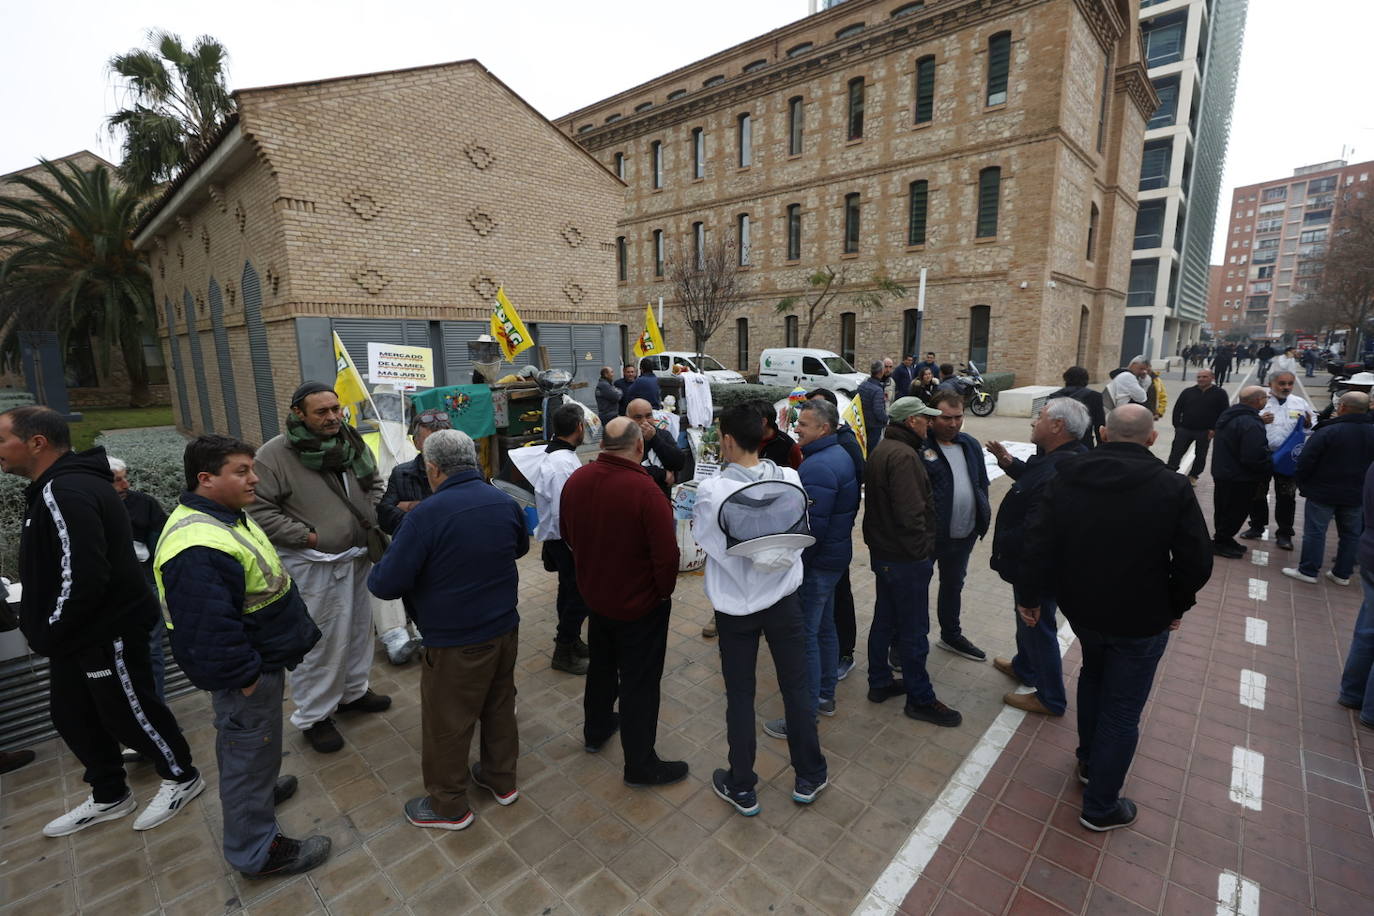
(579, 841)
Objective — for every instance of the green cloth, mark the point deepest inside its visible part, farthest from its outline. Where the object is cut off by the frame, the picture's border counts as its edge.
(344, 452)
(469, 407)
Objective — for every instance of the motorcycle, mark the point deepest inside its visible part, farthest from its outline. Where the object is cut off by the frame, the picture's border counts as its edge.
(969, 384)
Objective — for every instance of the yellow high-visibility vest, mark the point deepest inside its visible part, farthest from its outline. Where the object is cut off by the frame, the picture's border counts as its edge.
(265, 579)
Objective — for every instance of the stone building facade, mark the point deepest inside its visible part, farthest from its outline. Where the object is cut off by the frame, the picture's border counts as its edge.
(388, 207)
(995, 143)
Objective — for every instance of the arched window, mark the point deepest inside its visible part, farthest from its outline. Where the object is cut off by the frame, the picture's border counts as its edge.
(197, 363)
(225, 361)
(269, 423)
(178, 372)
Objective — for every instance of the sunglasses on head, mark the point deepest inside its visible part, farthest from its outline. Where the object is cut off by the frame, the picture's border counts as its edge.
(433, 418)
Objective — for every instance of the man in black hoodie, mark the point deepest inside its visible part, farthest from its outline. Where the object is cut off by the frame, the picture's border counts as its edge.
(1240, 464)
(88, 608)
(1076, 387)
(1195, 421)
(1121, 603)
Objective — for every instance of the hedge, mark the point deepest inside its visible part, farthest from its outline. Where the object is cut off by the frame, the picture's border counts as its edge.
(996, 382)
(14, 397)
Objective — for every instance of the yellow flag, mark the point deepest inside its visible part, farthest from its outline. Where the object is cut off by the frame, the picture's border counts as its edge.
(854, 416)
(348, 384)
(650, 340)
(507, 327)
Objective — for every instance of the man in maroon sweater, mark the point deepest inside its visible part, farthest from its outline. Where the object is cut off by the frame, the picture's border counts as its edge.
(624, 544)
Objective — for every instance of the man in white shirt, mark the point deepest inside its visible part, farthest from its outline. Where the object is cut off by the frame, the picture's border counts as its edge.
(755, 594)
(1282, 413)
(560, 460)
(1129, 387)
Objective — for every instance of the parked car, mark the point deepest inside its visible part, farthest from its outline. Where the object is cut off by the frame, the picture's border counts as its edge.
(794, 367)
(708, 366)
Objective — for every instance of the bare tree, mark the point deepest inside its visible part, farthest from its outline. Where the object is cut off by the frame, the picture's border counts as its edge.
(827, 285)
(708, 285)
(1345, 298)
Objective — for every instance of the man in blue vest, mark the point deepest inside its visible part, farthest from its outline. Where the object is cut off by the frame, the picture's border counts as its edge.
(237, 623)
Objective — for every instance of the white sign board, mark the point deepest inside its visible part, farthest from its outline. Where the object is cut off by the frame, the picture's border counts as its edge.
(405, 367)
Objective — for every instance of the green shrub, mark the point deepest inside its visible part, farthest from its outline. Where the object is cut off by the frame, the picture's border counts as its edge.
(730, 395)
(997, 382)
(14, 397)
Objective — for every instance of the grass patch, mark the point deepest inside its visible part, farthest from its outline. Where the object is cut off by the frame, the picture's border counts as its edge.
(94, 422)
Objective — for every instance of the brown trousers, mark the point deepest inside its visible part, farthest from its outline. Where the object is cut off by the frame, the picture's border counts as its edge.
(459, 687)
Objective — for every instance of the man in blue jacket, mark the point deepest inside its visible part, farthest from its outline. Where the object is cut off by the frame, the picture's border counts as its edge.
(827, 475)
(959, 483)
(453, 559)
(1330, 474)
(237, 624)
(873, 401)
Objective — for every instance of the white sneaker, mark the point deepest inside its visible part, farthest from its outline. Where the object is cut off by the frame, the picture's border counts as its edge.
(1337, 579)
(1293, 572)
(400, 645)
(169, 800)
(88, 813)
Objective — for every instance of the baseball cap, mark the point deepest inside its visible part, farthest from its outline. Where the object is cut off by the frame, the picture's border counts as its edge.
(910, 407)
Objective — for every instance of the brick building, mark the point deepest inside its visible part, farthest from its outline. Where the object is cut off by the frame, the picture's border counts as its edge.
(1276, 237)
(387, 207)
(995, 143)
(87, 385)
(1220, 320)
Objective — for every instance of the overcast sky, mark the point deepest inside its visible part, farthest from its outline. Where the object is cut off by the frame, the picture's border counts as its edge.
(55, 92)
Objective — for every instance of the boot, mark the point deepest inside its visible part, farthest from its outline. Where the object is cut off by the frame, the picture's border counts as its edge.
(565, 659)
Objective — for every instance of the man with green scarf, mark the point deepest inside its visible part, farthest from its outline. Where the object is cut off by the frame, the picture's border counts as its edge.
(316, 500)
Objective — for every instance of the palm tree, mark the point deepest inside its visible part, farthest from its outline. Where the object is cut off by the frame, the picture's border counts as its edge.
(67, 262)
(178, 102)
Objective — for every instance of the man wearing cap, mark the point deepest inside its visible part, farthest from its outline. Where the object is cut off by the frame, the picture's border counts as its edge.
(899, 529)
(750, 521)
(1360, 381)
(316, 500)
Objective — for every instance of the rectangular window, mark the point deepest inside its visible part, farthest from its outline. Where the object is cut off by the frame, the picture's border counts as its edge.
(1144, 278)
(916, 213)
(1164, 38)
(1316, 216)
(1280, 193)
(742, 344)
(658, 252)
(925, 90)
(856, 108)
(790, 331)
(620, 166)
(1322, 184)
(851, 223)
(1149, 224)
(746, 140)
(698, 153)
(622, 271)
(1167, 112)
(656, 157)
(848, 324)
(742, 231)
(999, 66)
(1155, 164)
(1313, 235)
(794, 230)
(979, 325)
(699, 245)
(989, 190)
(794, 126)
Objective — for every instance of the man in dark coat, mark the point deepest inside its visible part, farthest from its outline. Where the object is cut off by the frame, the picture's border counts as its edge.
(846, 629)
(1057, 432)
(1076, 387)
(1330, 474)
(146, 519)
(408, 484)
(662, 459)
(903, 375)
(644, 386)
(1221, 364)
(872, 396)
(607, 396)
(1122, 603)
(629, 373)
(1240, 465)
(1195, 422)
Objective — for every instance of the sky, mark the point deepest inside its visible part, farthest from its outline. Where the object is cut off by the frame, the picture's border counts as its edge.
(55, 91)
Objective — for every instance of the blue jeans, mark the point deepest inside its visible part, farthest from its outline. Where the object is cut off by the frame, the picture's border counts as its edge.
(1316, 518)
(901, 609)
(1113, 685)
(951, 558)
(1038, 662)
(1357, 681)
(822, 645)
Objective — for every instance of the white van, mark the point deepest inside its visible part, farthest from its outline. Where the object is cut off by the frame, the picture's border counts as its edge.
(708, 366)
(800, 367)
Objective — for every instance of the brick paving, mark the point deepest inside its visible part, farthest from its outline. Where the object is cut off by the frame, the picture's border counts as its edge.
(579, 841)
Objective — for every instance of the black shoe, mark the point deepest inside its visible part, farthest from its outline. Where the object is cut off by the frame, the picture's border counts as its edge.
(1284, 542)
(581, 649)
(745, 801)
(883, 694)
(565, 658)
(368, 702)
(936, 713)
(1347, 705)
(1123, 816)
(13, 760)
(284, 789)
(592, 747)
(960, 645)
(1231, 553)
(1252, 534)
(324, 737)
(893, 661)
(1081, 770)
(291, 857)
(660, 773)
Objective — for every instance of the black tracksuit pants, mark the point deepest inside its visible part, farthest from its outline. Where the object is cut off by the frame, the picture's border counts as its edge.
(104, 695)
(627, 663)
